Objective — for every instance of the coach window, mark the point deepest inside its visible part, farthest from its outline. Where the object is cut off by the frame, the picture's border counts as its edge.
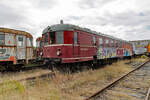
(75, 37)
(94, 40)
(60, 37)
(116, 44)
(100, 42)
(20, 41)
(2, 39)
(107, 43)
(2, 51)
(112, 43)
(46, 39)
(30, 42)
(120, 44)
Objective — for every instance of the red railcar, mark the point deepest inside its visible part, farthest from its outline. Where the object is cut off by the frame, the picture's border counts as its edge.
(68, 43)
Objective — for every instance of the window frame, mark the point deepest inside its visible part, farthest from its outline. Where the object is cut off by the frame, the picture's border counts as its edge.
(2, 42)
(106, 42)
(94, 40)
(20, 42)
(46, 38)
(112, 43)
(101, 42)
(2, 50)
(60, 36)
(75, 38)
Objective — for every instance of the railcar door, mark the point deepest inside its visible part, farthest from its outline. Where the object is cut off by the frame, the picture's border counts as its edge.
(21, 47)
(75, 45)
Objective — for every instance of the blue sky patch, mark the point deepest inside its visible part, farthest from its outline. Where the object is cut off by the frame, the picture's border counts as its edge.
(141, 14)
(148, 27)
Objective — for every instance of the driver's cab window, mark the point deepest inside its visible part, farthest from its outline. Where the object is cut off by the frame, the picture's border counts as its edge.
(46, 39)
(52, 37)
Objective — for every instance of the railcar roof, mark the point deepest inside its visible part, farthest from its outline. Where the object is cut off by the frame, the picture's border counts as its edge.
(140, 41)
(39, 38)
(13, 31)
(70, 27)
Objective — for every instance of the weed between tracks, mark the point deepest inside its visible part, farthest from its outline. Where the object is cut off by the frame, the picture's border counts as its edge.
(75, 86)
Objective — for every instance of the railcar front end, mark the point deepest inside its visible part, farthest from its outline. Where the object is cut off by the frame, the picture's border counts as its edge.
(64, 43)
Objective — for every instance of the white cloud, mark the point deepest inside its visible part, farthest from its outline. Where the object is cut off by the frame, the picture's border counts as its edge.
(127, 19)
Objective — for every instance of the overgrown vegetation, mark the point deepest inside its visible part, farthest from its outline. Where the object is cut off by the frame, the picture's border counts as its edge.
(75, 86)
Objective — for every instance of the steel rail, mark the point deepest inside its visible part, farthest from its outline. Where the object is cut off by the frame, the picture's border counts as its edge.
(147, 95)
(114, 82)
(49, 74)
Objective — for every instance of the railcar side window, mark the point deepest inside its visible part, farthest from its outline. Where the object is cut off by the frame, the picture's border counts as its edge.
(100, 42)
(2, 39)
(2, 51)
(107, 43)
(112, 43)
(75, 37)
(120, 44)
(60, 37)
(94, 40)
(30, 41)
(46, 39)
(116, 44)
(20, 41)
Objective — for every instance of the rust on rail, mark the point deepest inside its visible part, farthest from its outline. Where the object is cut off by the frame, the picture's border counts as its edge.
(148, 93)
(49, 74)
(117, 80)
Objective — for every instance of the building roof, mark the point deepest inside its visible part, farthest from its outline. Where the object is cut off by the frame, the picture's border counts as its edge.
(13, 31)
(70, 27)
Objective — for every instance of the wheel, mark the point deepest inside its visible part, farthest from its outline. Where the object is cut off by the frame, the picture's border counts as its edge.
(51, 66)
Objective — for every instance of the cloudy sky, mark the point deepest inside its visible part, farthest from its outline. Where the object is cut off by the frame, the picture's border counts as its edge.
(126, 19)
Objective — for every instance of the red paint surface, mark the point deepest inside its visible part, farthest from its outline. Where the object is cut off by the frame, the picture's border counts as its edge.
(84, 50)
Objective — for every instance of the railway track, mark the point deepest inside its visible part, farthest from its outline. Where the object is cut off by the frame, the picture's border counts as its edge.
(148, 95)
(98, 93)
(47, 74)
(23, 68)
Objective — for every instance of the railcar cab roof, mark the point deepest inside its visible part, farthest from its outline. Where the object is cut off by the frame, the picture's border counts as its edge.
(13, 31)
(70, 27)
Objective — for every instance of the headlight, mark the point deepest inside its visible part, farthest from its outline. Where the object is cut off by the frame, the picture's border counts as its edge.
(41, 53)
(58, 52)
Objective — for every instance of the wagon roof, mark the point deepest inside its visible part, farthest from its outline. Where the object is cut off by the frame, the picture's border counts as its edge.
(140, 41)
(62, 27)
(13, 31)
(39, 38)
